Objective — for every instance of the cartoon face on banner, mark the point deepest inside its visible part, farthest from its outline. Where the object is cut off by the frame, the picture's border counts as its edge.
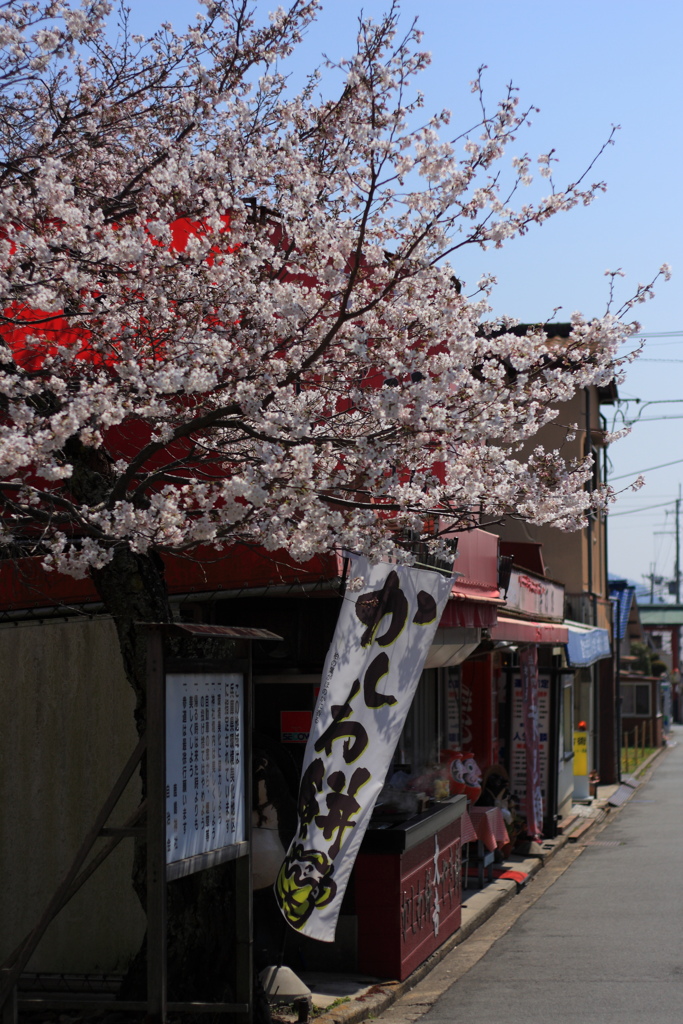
(303, 884)
(464, 773)
(371, 672)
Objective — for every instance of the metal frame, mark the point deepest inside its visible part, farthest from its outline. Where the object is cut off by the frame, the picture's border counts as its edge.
(153, 746)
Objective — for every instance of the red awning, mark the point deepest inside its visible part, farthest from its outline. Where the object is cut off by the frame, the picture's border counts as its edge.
(475, 598)
(523, 631)
(469, 612)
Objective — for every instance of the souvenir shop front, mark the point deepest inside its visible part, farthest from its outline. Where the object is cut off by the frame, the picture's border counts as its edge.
(404, 895)
(511, 706)
(528, 706)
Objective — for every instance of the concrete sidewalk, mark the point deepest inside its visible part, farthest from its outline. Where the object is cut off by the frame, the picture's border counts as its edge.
(346, 999)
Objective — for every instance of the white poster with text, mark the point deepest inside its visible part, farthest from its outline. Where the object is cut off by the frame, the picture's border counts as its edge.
(204, 764)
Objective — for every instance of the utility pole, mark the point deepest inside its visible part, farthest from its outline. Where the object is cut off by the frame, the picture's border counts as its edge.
(674, 586)
(654, 579)
(677, 567)
(677, 653)
(675, 583)
(675, 589)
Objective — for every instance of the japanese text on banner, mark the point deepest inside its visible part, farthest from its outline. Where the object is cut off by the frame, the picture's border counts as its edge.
(371, 672)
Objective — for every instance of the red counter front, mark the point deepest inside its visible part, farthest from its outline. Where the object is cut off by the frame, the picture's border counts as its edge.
(408, 892)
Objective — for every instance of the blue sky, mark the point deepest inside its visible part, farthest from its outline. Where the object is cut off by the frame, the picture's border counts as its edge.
(587, 66)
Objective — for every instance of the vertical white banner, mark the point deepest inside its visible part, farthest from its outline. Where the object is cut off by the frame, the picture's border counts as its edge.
(371, 672)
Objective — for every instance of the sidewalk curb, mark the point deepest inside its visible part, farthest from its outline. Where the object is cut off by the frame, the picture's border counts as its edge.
(384, 994)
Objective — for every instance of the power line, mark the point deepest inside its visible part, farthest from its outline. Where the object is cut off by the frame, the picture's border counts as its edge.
(660, 344)
(647, 469)
(658, 334)
(654, 419)
(646, 508)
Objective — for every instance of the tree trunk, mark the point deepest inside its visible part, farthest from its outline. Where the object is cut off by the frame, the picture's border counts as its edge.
(201, 923)
(133, 590)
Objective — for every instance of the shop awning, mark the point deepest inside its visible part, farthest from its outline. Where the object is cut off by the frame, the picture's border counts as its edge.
(525, 631)
(475, 598)
(452, 646)
(586, 644)
(467, 612)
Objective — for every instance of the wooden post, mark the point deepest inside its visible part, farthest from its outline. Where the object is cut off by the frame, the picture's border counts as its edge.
(244, 966)
(156, 828)
(651, 740)
(626, 750)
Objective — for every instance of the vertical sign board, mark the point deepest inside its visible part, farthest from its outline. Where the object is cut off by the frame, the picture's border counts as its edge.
(205, 791)
(454, 733)
(478, 713)
(581, 752)
(518, 756)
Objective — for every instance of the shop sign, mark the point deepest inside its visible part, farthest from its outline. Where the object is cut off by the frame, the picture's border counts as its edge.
(535, 596)
(205, 808)
(581, 752)
(295, 726)
(453, 709)
(530, 725)
(430, 892)
(380, 645)
(478, 719)
(534, 796)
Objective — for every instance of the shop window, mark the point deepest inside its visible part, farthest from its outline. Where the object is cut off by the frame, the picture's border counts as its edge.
(417, 774)
(422, 739)
(635, 699)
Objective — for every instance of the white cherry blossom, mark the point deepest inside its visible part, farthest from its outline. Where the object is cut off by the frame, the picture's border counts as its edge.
(232, 314)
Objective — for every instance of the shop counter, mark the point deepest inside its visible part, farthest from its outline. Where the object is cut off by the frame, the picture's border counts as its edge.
(408, 889)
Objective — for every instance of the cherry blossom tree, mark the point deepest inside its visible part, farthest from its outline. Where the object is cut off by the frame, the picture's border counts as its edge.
(231, 313)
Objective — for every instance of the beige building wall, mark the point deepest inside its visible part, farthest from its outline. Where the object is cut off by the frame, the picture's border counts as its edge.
(566, 555)
(66, 731)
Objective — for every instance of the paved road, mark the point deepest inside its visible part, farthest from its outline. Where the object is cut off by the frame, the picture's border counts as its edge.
(604, 943)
